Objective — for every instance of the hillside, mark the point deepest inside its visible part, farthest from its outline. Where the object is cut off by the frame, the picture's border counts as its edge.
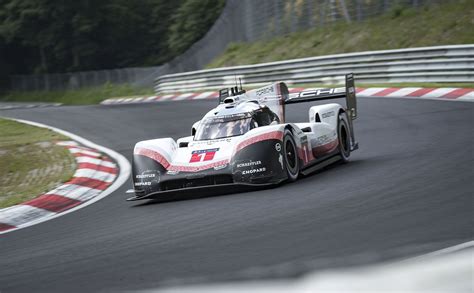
(432, 25)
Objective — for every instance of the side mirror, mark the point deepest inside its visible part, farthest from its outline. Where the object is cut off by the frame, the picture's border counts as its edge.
(194, 128)
(184, 141)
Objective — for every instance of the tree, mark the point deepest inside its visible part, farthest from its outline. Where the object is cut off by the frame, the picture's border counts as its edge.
(191, 22)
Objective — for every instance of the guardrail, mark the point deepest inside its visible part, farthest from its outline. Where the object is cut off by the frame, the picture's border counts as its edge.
(427, 64)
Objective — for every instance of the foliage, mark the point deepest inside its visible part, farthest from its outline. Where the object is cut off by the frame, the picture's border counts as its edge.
(431, 25)
(82, 96)
(49, 36)
(192, 20)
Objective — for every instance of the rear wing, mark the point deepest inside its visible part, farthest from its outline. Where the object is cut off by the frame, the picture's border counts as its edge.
(347, 92)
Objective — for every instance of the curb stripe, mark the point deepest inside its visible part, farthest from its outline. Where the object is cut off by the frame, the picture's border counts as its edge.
(421, 92)
(22, 216)
(386, 92)
(403, 92)
(457, 93)
(53, 203)
(95, 161)
(101, 168)
(92, 176)
(76, 192)
(437, 93)
(5, 227)
(417, 92)
(89, 182)
(76, 150)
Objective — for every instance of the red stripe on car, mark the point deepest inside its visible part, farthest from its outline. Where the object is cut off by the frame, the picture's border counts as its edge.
(197, 168)
(154, 155)
(266, 136)
(325, 148)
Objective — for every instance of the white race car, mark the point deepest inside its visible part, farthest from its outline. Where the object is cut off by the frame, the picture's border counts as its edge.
(245, 141)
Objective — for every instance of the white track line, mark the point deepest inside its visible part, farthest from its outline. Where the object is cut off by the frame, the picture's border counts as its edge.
(444, 251)
(122, 177)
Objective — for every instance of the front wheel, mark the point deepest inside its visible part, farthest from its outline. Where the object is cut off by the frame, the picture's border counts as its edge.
(343, 137)
(291, 156)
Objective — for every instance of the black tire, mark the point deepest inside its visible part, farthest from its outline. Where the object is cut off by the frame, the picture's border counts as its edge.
(290, 153)
(344, 138)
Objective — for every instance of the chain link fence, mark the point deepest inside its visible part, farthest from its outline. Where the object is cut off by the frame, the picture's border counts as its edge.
(240, 21)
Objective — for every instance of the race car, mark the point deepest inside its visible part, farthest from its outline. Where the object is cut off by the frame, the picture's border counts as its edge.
(246, 141)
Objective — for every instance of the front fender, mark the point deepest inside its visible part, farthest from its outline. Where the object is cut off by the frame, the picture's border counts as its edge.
(151, 158)
(258, 157)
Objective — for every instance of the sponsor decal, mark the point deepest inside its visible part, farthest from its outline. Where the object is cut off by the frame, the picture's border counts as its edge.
(249, 164)
(323, 139)
(265, 91)
(220, 167)
(203, 155)
(172, 172)
(278, 147)
(209, 142)
(252, 167)
(280, 159)
(319, 92)
(304, 139)
(143, 183)
(328, 114)
(143, 176)
(253, 171)
(147, 178)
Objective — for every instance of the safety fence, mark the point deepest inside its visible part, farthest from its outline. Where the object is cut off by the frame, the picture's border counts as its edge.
(428, 64)
(240, 21)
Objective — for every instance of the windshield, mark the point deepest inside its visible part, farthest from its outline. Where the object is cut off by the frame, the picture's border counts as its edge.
(219, 127)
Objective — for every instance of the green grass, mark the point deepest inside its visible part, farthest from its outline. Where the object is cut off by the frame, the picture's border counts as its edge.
(77, 97)
(431, 25)
(31, 162)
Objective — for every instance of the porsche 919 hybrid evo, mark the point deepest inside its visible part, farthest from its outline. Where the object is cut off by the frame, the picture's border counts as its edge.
(246, 141)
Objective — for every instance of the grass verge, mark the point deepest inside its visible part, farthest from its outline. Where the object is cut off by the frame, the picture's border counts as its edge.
(430, 25)
(84, 96)
(31, 162)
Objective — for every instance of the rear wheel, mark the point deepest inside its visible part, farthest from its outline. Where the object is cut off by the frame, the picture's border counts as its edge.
(291, 156)
(343, 137)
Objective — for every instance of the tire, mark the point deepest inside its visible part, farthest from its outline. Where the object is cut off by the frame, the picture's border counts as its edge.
(343, 137)
(290, 154)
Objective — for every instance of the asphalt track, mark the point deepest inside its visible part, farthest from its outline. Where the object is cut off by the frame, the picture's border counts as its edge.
(407, 191)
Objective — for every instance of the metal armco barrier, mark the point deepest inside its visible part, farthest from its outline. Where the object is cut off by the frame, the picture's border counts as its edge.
(429, 64)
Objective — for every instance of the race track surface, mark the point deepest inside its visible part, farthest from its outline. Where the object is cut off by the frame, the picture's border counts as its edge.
(407, 191)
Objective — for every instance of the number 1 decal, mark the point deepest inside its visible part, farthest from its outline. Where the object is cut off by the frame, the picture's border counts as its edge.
(203, 155)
